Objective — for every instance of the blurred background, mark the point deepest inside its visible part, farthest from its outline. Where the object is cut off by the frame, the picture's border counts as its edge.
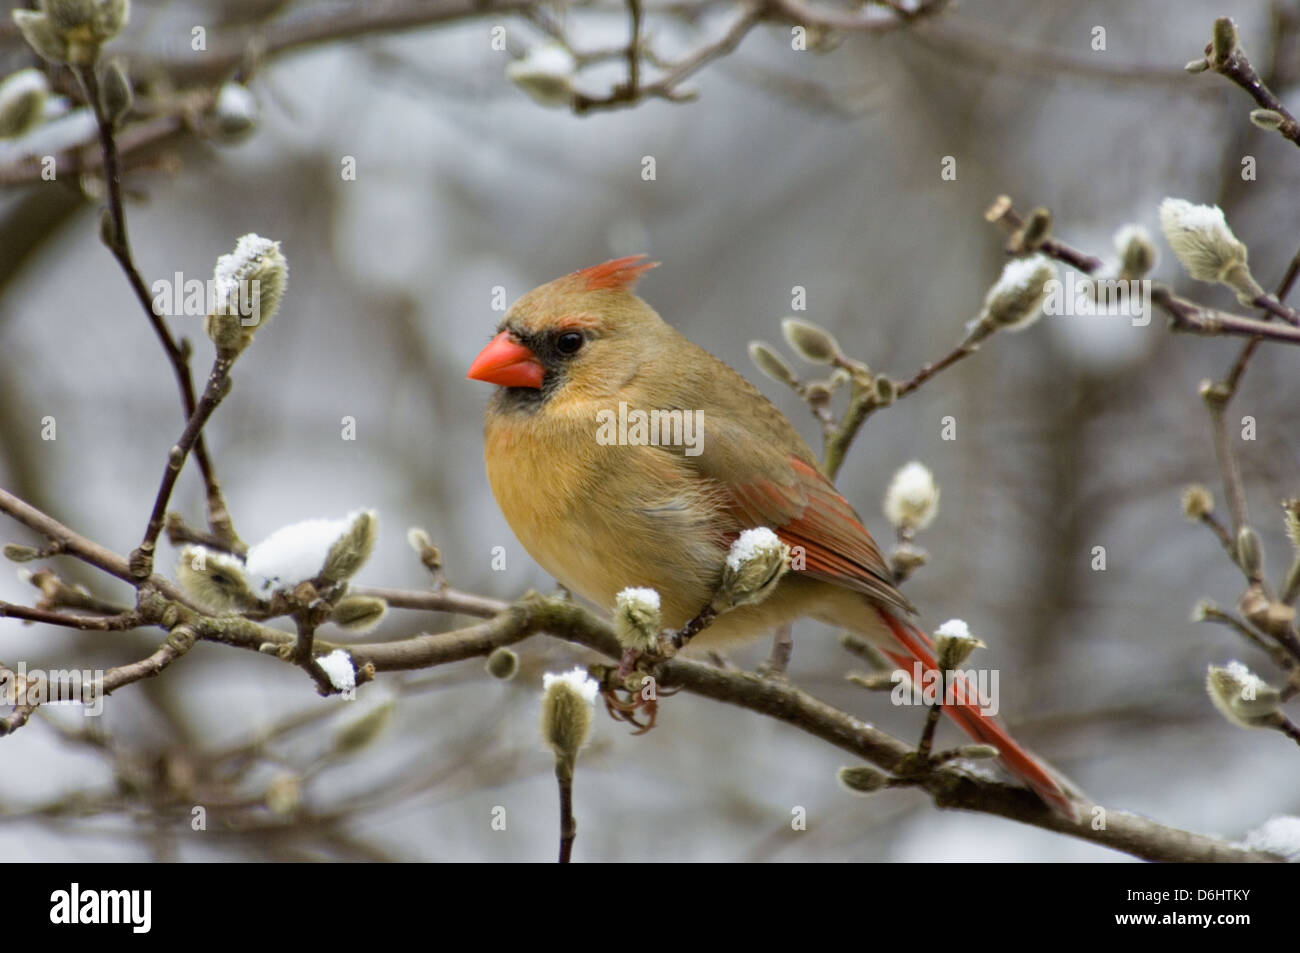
(793, 168)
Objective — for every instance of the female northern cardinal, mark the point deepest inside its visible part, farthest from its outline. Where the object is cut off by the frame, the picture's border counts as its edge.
(601, 516)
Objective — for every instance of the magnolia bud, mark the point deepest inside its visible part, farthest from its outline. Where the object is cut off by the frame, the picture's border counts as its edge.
(1250, 553)
(755, 564)
(810, 341)
(115, 94)
(1198, 502)
(1137, 252)
(215, 579)
(772, 364)
(352, 549)
(502, 663)
(912, 499)
(953, 644)
(1267, 118)
(636, 619)
(249, 283)
(566, 713)
(22, 102)
(862, 778)
(360, 732)
(358, 613)
(1224, 41)
(1206, 246)
(1015, 301)
(1241, 696)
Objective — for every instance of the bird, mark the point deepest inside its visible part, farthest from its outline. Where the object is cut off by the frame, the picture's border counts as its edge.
(603, 515)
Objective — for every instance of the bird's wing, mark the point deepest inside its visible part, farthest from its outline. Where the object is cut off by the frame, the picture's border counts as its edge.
(762, 484)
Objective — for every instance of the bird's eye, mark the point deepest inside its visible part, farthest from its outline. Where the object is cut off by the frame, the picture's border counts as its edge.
(570, 342)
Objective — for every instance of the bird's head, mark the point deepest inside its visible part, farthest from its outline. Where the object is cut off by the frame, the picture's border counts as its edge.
(585, 333)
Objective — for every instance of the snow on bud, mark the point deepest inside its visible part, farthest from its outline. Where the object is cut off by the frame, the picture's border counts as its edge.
(861, 779)
(953, 644)
(310, 549)
(339, 669)
(567, 701)
(1206, 246)
(1137, 252)
(1241, 696)
(502, 663)
(810, 341)
(235, 112)
(755, 564)
(358, 613)
(636, 619)
(215, 579)
(249, 284)
(912, 498)
(1198, 502)
(22, 102)
(1278, 835)
(772, 364)
(1016, 299)
(546, 74)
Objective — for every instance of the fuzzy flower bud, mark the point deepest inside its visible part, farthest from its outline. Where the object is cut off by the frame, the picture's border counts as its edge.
(1224, 40)
(755, 564)
(215, 579)
(1016, 299)
(502, 663)
(1036, 230)
(567, 701)
(1250, 553)
(22, 102)
(235, 112)
(953, 644)
(861, 779)
(810, 341)
(115, 93)
(1198, 502)
(636, 619)
(546, 74)
(249, 283)
(912, 499)
(350, 552)
(18, 553)
(359, 613)
(1206, 246)
(361, 731)
(1137, 252)
(772, 364)
(1241, 696)
(72, 31)
(330, 549)
(1291, 521)
(1267, 118)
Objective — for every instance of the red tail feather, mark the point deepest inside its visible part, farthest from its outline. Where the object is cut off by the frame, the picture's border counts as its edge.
(983, 728)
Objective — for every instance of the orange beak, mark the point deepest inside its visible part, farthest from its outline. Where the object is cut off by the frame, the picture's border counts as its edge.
(507, 363)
